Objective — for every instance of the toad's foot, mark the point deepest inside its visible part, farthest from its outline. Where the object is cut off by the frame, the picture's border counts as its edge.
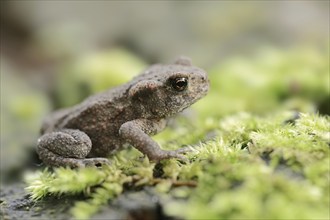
(92, 162)
(179, 154)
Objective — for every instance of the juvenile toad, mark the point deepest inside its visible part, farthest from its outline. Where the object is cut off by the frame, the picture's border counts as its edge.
(86, 133)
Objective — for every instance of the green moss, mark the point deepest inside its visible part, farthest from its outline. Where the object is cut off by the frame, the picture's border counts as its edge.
(281, 172)
(235, 184)
(263, 162)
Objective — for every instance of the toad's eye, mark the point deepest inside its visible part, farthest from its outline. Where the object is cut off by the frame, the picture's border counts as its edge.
(179, 83)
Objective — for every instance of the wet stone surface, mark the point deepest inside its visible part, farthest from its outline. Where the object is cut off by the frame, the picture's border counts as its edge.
(16, 204)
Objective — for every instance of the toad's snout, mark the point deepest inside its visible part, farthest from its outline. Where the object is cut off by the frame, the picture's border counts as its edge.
(200, 84)
(204, 82)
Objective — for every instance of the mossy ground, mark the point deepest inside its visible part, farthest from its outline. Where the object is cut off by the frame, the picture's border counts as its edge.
(251, 156)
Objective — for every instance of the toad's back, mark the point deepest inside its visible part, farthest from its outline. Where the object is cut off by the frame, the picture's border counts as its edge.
(103, 110)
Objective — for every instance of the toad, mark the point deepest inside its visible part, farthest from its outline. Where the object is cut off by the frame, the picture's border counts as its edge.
(85, 134)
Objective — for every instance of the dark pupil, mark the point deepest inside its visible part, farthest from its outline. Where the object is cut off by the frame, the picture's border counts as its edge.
(180, 83)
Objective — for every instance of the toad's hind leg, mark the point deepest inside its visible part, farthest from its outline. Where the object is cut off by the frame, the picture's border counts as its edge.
(67, 147)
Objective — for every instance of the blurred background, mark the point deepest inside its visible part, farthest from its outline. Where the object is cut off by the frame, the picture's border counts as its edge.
(260, 56)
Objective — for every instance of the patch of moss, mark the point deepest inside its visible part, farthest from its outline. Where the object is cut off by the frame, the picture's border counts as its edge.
(237, 184)
(257, 167)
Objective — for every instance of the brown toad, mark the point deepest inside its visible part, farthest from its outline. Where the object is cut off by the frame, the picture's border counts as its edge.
(83, 134)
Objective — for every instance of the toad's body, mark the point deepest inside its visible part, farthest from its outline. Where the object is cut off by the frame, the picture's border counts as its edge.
(82, 135)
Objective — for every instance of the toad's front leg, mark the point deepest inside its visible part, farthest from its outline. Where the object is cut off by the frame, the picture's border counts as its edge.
(136, 133)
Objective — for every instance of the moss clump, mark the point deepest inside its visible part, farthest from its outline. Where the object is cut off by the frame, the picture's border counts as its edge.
(284, 176)
(256, 167)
